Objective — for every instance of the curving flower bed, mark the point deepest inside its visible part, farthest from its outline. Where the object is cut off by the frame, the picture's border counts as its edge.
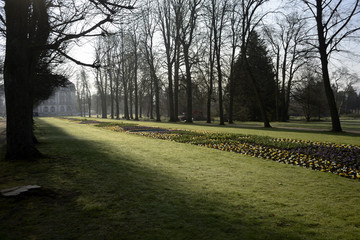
(340, 159)
(343, 160)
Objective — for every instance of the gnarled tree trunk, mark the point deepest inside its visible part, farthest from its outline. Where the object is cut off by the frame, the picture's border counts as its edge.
(26, 29)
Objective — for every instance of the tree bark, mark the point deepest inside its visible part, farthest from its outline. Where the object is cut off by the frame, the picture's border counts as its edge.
(157, 98)
(210, 89)
(136, 84)
(232, 87)
(20, 61)
(335, 120)
(176, 79)
(188, 85)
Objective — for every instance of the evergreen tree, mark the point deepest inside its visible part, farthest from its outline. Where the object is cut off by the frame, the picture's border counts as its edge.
(245, 103)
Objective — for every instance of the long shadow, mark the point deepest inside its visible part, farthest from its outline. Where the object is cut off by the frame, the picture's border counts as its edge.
(117, 197)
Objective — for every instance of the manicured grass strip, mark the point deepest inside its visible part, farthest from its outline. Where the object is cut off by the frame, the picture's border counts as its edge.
(107, 185)
(290, 132)
(313, 133)
(343, 160)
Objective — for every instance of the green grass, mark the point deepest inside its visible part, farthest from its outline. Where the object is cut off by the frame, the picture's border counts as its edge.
(108, 185)
(313, 131)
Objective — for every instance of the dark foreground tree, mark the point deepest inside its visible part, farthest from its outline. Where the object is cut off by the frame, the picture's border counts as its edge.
(32, 27)
(27, 27)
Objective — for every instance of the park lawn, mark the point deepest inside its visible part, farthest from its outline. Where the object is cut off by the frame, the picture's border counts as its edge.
(314, 131)
(100, 184)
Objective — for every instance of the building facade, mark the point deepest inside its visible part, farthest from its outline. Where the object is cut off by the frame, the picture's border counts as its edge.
(61, 103)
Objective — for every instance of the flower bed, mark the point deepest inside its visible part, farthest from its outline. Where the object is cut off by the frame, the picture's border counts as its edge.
(343, 160)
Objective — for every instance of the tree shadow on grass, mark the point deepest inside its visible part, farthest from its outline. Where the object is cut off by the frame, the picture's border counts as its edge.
(105, 193)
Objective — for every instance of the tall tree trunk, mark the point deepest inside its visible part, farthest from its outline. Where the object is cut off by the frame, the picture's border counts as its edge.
(277, 97)
(111, 92)
(210, 90)
(103, 98)
(171, 93)
(188, 85)
(283, 91)
(20, 62)
(18, 97)
(232, 87)
(221, 110)
(140, 104)
(211, 78)
(103, 106)
(89, 106)
(176, 80)
(219, 73)
(217, 25)
(83, 101)
(97, 105)
(126, 102)
(131, 101)
(157, 99)
(151, 99)
(335, 120)
(117, 98)
(287, 98)
(136, 87)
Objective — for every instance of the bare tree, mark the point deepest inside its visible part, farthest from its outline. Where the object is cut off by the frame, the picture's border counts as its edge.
(167, 30)
(235, 28)
(287, 44)
(188, 14)
(210, 72)
(101, 77)
(335, 21)
(309, 94)
(218, 11)
(149, 28)
(135, 44)
(343, 81)
(79, 96)
(86, 90)
(176, 5)
(83, 94)
(110, 45)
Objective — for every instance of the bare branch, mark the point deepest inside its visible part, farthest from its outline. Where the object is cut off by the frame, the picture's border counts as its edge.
(69, 37)
(94, 65)
(332, 38)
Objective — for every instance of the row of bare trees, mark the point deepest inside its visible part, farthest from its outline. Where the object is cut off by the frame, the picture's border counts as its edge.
(200, 40)
(184, 40)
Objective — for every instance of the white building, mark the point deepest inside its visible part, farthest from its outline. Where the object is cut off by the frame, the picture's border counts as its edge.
(61, 103)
